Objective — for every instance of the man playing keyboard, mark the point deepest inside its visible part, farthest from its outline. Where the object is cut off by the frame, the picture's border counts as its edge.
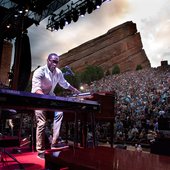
(44, 81)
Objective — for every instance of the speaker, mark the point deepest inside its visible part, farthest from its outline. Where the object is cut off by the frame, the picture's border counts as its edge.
(22, 63)
(25, 63)
(161, 147)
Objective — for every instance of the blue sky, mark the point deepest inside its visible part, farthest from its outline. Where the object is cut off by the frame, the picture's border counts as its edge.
(152, 18)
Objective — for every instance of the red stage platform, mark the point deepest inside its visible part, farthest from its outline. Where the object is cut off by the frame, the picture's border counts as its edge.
(104, 158)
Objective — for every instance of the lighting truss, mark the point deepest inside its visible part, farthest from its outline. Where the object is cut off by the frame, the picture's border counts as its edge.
(72, 13)
(18, 15)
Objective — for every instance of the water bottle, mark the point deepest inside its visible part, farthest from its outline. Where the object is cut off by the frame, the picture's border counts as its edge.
(139, 148)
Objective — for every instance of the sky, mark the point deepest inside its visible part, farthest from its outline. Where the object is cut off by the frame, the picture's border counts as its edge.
(152, 18)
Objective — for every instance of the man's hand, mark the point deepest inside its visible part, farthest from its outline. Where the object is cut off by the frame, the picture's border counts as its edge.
(39, 92)
(76, 91)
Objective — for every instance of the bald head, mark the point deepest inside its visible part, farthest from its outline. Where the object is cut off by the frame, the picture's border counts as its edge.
(53, 56)
(52, 61)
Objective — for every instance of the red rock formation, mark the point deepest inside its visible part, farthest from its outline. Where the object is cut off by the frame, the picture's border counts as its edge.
(121, 45)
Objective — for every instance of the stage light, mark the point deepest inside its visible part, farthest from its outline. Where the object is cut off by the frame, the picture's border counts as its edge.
(82, 11)
(26, 10)
(75, 15)
(90, 7)
(68, 19)
(56, 26)
(62, 23)
(98, 3)
(16, 15)
(8, 26)
(72, 12)
(53, 17)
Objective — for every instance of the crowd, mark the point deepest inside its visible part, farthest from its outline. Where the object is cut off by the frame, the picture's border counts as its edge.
(141, 98)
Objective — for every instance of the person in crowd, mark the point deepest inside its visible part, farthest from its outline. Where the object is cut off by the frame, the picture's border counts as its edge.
(44, 81)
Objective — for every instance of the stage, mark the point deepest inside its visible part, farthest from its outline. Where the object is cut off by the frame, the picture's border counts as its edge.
(104, 158)
(99, 158)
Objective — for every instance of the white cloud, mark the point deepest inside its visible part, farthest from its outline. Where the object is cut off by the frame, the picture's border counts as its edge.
(151, 17)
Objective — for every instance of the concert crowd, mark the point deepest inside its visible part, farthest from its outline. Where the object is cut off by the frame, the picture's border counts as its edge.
(141, 98)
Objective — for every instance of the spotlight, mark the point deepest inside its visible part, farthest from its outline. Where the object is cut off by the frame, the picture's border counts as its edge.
(90, 7)
(82, 11)
(98, 3)
(26, 10)
(8, 26)
(75, 15)
(72, 13)
(53, 17)
(20, 11)
(16, 15)
(56, 26)
(68, 19)
(62, 23)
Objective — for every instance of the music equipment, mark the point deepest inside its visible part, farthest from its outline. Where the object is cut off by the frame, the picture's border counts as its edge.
(105, 114)
(107, 110)
(107, 104)
(21, 100)
(106, 101)
(160, 146)
(26, 101)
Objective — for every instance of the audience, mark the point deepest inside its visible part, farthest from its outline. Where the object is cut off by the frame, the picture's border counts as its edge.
(142, 97)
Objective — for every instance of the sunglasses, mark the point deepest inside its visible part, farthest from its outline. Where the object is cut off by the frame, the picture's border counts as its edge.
(54, 61)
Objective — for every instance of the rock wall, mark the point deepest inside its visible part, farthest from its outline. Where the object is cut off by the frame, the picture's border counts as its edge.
(121, 45)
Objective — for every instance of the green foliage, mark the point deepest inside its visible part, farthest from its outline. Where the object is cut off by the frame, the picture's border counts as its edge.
(138, 67)
(116, 69)
(91, 73)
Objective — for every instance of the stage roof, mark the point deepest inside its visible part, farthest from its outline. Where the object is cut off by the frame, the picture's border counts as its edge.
(18, 15)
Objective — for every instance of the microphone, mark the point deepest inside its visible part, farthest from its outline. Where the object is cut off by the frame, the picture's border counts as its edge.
(69, 71)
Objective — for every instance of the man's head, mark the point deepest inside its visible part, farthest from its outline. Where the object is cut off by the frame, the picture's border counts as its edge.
(52, 61)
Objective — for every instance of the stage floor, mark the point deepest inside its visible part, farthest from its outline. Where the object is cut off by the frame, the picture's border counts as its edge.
(100, 158)
(104, 158)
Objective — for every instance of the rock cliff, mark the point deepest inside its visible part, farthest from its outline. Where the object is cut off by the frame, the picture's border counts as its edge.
(121, 45)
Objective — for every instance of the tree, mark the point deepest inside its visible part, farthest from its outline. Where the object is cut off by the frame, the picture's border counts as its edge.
(116, 69)
(139, 67)
(91, 73)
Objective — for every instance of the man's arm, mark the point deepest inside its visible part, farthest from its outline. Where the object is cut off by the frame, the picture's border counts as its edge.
(74, 90)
